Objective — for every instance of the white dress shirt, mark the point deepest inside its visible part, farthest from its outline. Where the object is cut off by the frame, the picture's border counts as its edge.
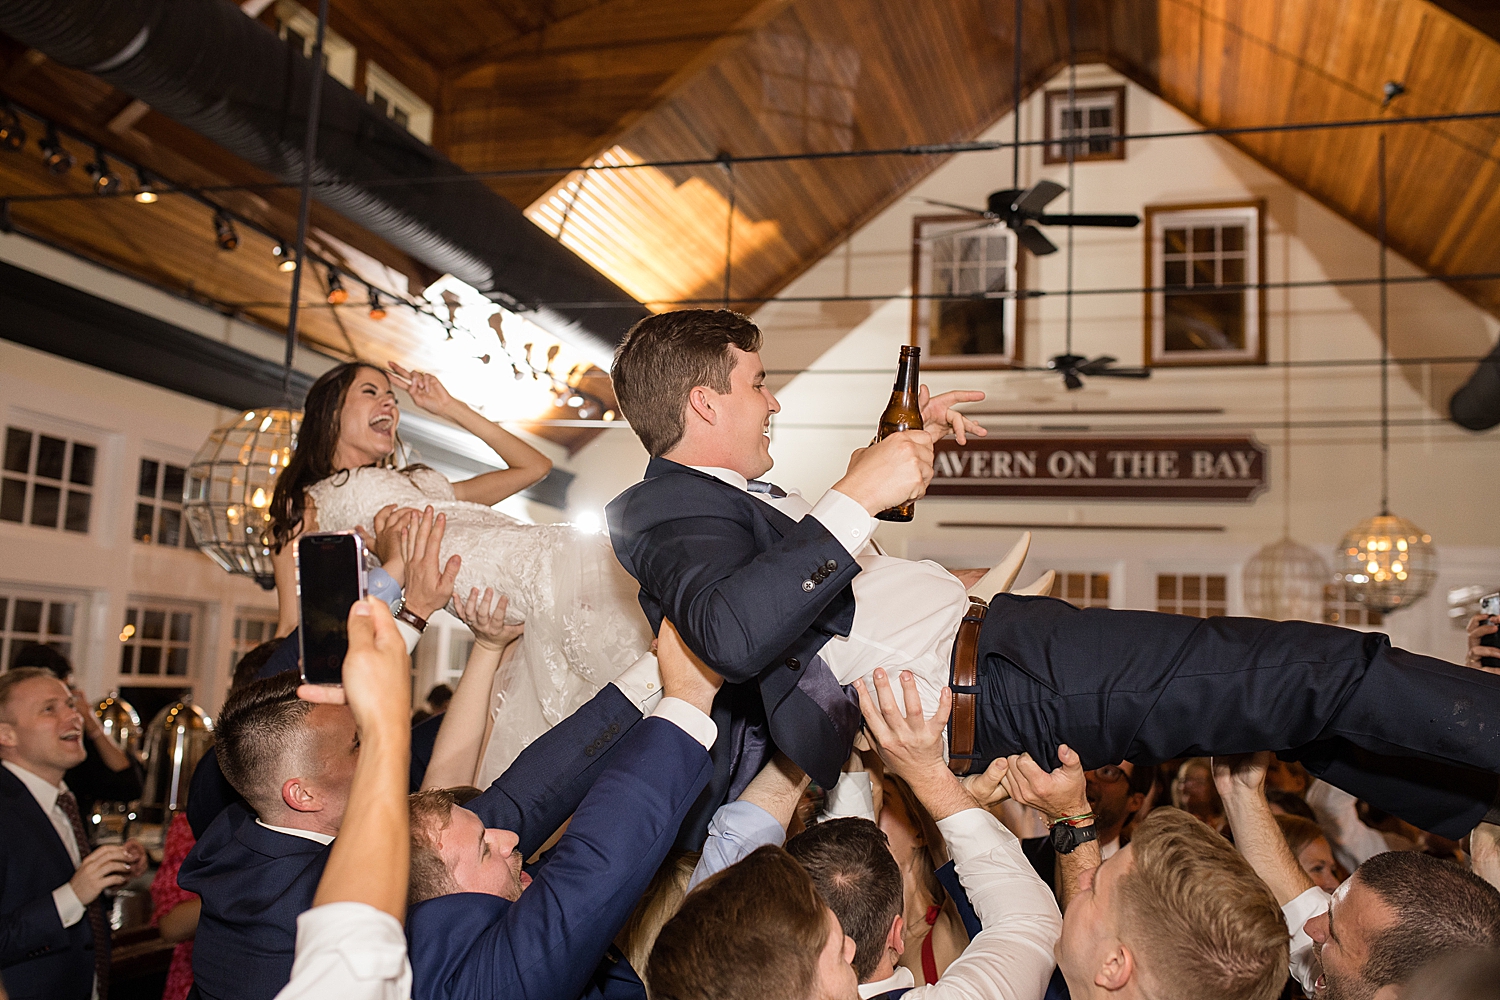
(351, 951)
(1304, 955)
(69, 909)
(906, 612)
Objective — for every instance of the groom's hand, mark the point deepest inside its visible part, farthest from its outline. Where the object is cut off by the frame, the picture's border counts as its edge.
(889, 472)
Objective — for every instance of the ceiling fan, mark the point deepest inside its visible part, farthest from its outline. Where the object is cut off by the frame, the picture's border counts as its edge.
(1020, 209)
(1075, 366)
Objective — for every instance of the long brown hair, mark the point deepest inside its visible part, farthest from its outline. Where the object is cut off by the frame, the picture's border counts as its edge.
(317, 442)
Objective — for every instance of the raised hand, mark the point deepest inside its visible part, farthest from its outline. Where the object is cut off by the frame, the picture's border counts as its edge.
(889, 472)
(988, 786)
(1486, 658)
(1058, 793)
(429, 583)
(1242, 772)
(940, 419)
(377, 671)
(386, 541)
(683, 674)
(485, 616)
(909, 744)
(425, 390)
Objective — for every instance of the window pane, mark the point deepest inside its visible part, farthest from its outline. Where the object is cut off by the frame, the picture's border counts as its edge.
(150, 662)
(1174, 274)
(399, 116)
(1100, 587)
(1207, 322)
(76, 517)
(17, 450)
(28, 617)
(143, 515)
(4, 611)
(1203, 239)
(1075, 586)
(127, 659)
(60, 619)
(82, 472)
(1216, 589)
(177, 661)
(155, 624)
(1190, 588)
(1176, 240)
(1203, 272)
(50, 453)
(13, 500)
(132, 618)
(1233, 237)
(147, 485)
(171, 483)
(1233, 269)
(1166, 588)
(46, 501)
(252, 630)
(171, 528)
(182, 626)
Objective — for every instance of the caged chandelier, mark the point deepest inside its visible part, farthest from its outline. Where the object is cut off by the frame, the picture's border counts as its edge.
(230, 485)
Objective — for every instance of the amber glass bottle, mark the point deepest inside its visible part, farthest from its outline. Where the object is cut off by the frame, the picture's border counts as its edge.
(903, 413)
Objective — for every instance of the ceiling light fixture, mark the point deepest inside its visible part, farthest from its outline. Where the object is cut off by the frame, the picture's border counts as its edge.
(106, 181)
(288, 261)
(56, 159)
(337, 295)
(12, 135)
(224, 233)
(145, 191)
(376, 310)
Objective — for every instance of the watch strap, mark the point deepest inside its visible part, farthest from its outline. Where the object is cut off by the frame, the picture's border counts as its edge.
(405, 614)
(1066, 837)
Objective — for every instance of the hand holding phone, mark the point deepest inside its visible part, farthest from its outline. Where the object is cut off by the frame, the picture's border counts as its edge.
(330, 578)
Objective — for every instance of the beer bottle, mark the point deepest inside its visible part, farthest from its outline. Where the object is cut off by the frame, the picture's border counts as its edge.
(902, 414)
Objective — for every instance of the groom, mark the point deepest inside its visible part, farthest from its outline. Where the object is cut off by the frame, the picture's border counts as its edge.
(783, 598)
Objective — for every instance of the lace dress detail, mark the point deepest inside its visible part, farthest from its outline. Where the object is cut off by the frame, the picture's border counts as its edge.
(583, 622)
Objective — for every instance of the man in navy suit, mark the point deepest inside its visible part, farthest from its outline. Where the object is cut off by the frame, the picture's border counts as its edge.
(480, 928)
(54, 933)
(763, 586)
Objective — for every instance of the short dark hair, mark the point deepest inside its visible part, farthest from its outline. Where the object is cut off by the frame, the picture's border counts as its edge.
(257, 727)
(441, 694)
(753, 931)
(1439, 908)
(853, 870)
(1291, 803)
(664, 356)
(249, 666)
(36, 654)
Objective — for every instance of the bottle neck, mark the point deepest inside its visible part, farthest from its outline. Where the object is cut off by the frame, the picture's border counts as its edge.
(908, 375)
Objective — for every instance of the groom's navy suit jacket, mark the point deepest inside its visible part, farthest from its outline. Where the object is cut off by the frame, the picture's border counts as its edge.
(551, 943)
(756, 595)
(254, 882)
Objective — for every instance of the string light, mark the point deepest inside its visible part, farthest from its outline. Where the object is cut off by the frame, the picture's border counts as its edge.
(377, 312)
(105, 180)
(57, 160)
(145, 190)
(337, 295)
(224, 233)
(288, 262)
(12, 135)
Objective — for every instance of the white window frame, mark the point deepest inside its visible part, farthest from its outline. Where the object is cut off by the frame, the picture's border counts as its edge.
(1085, 99)
(71, 437)
(338, 53)
(927, 232)
(12, 593)
(160, 502)
(194, 643)
(397, 95)
(1231, 593)
(1110, 599)
(1250, 214)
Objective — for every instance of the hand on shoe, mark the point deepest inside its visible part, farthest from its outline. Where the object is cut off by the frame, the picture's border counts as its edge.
(683, 675)
(485, 616)
(1057, 793)
(890, 472)
(429, 583)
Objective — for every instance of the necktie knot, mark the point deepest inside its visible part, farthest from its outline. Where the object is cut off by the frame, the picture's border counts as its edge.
(761, 486)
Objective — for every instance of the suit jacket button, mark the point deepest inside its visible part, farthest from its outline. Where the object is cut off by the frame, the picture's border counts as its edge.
(830, 565)
(793, 663)
(807, 585)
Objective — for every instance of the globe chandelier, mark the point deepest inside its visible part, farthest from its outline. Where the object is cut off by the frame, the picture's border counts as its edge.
(1385, 562)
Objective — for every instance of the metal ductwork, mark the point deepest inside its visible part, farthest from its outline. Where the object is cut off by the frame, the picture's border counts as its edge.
(221, 73)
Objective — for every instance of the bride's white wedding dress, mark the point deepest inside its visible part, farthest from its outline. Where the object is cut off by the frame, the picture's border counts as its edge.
(583, 622)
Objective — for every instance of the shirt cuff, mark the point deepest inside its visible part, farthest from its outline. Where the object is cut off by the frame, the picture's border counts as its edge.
(69, 909)
(689, 719)
(972, 833)
(409, 634)
(1303, 957)
(640, 683)
(379, 583)
(349, 949)
(845, 519)
(852, 796)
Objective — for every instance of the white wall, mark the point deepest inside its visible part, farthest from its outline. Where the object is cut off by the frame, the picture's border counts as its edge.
(1443, 478)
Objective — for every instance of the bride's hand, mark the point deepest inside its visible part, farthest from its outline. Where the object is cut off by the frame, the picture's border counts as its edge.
(485, 616)
(425, 390)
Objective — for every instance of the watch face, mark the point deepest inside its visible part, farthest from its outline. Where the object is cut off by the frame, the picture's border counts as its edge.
(1062, 838)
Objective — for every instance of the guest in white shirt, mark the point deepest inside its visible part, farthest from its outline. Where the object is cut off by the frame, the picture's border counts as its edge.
(759, 928)
(54, 933)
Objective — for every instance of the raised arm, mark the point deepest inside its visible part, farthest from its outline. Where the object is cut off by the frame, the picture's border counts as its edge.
(460, 741)
(524, 464)
(758, 817)
(1241, 781)
(1061, 794)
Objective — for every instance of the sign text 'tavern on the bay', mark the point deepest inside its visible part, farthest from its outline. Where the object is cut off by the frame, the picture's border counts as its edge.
(1101, 467)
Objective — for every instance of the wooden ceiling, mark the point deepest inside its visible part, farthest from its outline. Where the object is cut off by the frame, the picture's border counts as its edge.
(528, 84)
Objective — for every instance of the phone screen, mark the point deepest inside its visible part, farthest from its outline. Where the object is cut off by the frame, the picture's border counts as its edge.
(330, 578)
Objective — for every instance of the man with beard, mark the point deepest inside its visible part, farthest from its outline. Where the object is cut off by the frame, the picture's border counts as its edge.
(1398, 911)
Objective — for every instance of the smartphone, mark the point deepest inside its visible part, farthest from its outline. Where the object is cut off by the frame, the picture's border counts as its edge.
(330, 578)
(1489, 604)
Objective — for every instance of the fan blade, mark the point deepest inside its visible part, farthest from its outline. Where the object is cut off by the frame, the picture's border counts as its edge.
(1124, 373)
(1036, 198)
(954, 232)
(949, 204)
(1071, 380)
(1113, 221)
(1097, 365)
(1032, 239)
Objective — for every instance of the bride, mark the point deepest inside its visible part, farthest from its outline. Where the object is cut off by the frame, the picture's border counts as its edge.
(583, 623)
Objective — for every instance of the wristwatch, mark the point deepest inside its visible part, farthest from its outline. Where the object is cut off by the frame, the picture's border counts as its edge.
(404, 614)
(1066, 833)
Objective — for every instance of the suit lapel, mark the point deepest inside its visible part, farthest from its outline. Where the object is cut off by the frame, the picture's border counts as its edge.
(778, 522)
(26, 806)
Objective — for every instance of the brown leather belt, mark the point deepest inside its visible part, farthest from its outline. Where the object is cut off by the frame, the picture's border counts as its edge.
(964, 680)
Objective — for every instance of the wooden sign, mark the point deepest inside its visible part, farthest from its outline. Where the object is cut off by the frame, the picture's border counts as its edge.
(1101, 467)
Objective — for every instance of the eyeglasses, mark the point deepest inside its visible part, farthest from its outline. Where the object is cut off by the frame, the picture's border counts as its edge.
(1109, 774)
